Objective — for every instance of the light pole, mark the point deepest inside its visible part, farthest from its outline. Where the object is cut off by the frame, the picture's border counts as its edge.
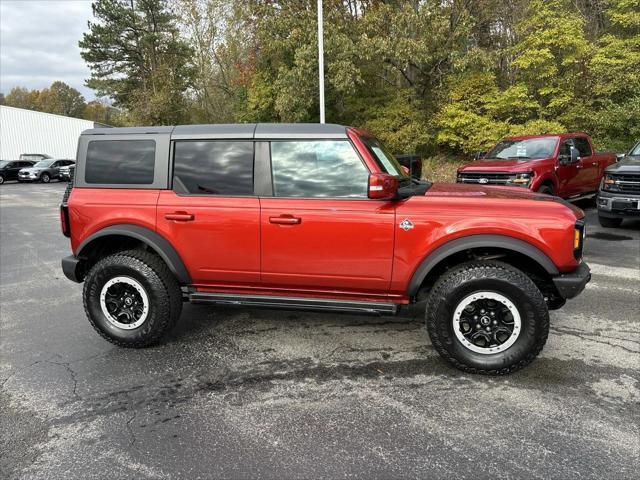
(321, 60)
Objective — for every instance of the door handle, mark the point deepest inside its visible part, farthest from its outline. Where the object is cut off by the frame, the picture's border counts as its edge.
(595, 164)
(578, 166)
(179, 216)
(285, 220)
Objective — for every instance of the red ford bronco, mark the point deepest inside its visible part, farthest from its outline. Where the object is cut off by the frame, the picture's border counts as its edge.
(311, 216)
(566, 165)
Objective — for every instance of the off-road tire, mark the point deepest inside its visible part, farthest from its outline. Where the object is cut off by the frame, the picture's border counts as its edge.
(494, 276)
(609, 222)
(45, 178)
(547, 189)
(161, 286)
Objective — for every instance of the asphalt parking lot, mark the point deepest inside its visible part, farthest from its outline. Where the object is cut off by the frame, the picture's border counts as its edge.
(240, 393)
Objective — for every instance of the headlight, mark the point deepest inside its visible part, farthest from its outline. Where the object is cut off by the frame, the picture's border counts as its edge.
(608, 183)
(521, 179)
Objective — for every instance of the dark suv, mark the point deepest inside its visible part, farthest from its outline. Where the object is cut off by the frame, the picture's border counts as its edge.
(9, 169)
(318, 217)
(43, 171)
(619, 195)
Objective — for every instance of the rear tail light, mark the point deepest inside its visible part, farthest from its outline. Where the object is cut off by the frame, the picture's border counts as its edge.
(64, 220)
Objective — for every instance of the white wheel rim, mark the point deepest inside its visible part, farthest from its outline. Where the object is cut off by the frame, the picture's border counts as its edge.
(462, 319)
(113, 319)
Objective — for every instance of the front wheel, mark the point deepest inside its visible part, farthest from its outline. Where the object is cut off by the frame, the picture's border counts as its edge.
(609, 222)
(132, 299)
(1, 179)
(45, 178)
(487, 317)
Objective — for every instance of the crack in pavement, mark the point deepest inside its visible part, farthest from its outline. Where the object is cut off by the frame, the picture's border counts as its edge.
(589, 337)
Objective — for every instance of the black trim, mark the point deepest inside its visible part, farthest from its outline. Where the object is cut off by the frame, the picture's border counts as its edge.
(478, 241)
(72, 269)
(151, 238)
(262, 181)
(296, 303)
(571, 284)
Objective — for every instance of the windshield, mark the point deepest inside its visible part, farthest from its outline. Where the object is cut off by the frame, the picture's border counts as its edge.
(43, 164)
(635, 151)
(525, 149)
(385, 160)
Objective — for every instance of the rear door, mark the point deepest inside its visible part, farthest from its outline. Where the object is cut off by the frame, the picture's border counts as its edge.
(211, 215)
(589, 176)
(320, 231)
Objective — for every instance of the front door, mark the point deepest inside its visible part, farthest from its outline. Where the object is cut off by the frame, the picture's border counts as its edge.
(320, 232)
(568, 174)
(212, 216)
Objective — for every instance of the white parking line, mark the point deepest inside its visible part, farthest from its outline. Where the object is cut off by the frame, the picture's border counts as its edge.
(616, 272)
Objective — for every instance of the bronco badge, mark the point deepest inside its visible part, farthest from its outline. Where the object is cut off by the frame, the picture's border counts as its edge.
(406, 225)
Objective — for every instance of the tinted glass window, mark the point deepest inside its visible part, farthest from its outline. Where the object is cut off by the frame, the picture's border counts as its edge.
(120, 162)
(582, 144)
(317, 169)
(213, 167)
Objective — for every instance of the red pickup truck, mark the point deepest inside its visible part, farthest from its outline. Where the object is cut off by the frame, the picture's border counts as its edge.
(565, 165)
(318, 217)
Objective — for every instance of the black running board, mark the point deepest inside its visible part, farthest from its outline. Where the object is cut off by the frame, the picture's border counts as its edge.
(296, 303)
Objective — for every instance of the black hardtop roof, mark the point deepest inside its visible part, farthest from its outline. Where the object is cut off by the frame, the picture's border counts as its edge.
(233, 130)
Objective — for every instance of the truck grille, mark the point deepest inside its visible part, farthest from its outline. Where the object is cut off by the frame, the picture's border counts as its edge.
(484, 178)
(627, 182)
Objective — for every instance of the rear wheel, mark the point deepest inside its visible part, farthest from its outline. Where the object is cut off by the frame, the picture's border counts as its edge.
(609, 222)
(45, 178)
(487, 317)
(132, 299)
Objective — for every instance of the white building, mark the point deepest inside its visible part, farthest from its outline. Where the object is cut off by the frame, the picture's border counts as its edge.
(27, 131)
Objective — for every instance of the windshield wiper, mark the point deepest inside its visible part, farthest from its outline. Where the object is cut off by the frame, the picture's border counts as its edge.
(518, 158)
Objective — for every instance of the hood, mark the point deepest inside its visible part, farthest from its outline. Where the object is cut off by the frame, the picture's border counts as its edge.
(513, 165)
(475, 191)
(31, 169)
(628, 164)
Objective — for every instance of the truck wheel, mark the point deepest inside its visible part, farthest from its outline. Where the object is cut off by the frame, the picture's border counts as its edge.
(45, 178)
(487, 317)
(546, 189)
(132, 299)
(609, 222)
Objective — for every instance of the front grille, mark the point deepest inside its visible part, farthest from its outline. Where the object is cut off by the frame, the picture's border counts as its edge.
(489, 178)
(627, 182)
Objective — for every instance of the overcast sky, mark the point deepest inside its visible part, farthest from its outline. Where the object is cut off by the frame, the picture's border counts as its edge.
(39, 43)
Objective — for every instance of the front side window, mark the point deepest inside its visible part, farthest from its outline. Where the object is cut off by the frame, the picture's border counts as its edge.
(322, 168)
(582, 144)
(44, 164)
(213, 167)
(114, 162)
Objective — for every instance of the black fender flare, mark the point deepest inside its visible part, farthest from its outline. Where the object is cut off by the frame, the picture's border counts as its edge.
(478, 241)
(154, 240)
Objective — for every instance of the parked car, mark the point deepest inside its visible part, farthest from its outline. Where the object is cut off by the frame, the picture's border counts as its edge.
(9, 169)
(565, 165)
(34, 157)
(66, 172)
(412, 162)
(619, 195)
(312, 216)
(43, 171)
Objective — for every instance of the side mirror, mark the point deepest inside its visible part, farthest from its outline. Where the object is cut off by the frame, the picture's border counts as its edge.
(569, 159)
(619, 156)
(479, 155)
(382, 186)
(575, 155)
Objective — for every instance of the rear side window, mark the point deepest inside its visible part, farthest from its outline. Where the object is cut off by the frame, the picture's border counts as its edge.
(213, 167)
(120, 162)
(321, 168)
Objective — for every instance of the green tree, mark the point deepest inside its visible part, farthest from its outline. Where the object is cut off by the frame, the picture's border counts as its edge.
(138, 59)
(61, 99)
